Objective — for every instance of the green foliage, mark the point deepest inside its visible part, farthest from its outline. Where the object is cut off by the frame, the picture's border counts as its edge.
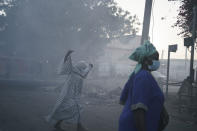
(5, 5)
(184, 19)
(55, 26)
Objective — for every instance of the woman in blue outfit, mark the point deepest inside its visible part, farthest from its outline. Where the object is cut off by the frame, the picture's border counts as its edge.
(142, 98)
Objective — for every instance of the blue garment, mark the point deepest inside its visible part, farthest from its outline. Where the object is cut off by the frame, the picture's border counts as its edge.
(141, 91)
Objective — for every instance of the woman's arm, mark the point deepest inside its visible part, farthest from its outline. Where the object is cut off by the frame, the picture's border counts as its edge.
(67, 55)
(139, 118)
(65, 66)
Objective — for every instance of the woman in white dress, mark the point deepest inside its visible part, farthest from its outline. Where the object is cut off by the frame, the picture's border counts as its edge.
(66, 112)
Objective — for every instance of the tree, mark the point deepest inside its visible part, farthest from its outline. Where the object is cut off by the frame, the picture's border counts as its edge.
(44, 29)
(184, 19)
(5, 5)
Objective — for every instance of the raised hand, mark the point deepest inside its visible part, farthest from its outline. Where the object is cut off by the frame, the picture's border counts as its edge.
(70, 51)
(91, 65)
(68, 54)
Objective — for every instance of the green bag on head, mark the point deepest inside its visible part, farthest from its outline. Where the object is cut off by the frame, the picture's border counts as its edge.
(145, 50)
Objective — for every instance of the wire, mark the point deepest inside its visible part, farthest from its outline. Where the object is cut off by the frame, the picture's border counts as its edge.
(152, 19)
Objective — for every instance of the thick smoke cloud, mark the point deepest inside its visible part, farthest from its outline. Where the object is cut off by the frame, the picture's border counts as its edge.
(44, 30)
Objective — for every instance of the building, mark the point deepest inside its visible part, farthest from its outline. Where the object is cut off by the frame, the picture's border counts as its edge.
(115, 60)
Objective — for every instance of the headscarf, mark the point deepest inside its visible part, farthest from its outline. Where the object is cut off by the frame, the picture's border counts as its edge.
(82, 68)
(81, 65)
(145, 50)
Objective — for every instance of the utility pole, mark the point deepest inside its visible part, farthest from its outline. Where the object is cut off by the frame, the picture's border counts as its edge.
(168, 67)
(186, 69)
(193, 44)
(146, 22)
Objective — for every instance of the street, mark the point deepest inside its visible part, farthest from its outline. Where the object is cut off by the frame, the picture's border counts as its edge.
(23, 109)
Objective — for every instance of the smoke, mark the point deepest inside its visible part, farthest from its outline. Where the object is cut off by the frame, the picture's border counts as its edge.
(44, 30)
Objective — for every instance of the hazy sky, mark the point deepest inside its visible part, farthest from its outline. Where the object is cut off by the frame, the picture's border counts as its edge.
(163, 34)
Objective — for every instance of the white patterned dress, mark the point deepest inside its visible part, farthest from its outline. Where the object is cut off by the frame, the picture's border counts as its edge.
(67, 107)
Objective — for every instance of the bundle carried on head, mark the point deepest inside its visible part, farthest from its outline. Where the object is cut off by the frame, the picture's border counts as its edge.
(145, 50)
